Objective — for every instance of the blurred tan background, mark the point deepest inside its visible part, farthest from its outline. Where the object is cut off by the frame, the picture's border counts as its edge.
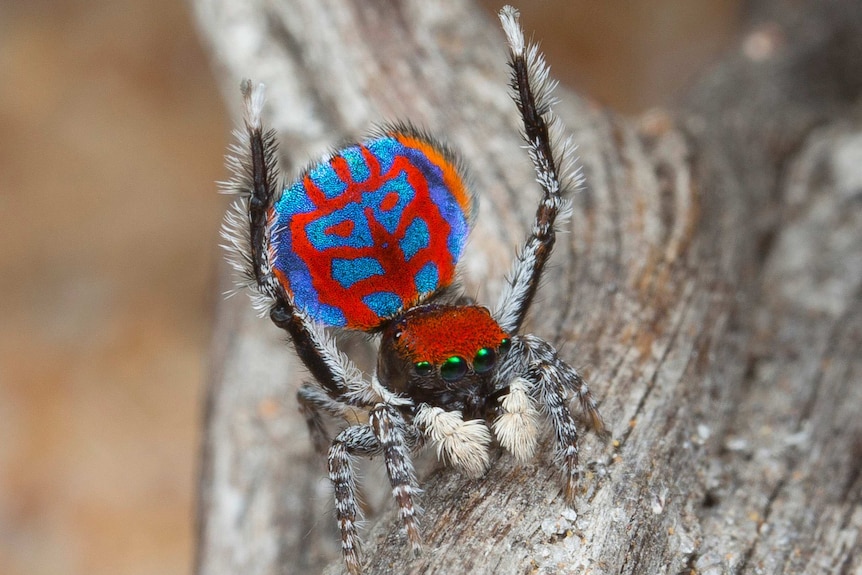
(111, 136)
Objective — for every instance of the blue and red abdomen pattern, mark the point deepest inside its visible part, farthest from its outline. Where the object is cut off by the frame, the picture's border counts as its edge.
(372, 231)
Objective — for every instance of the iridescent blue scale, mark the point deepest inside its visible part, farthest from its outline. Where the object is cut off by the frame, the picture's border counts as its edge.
(373, 230)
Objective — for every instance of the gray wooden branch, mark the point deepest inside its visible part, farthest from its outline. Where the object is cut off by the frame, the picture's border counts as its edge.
(708, 285)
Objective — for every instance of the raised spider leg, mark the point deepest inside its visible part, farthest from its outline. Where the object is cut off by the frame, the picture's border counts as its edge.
(247, 230)
(532, 89)
(549, 380)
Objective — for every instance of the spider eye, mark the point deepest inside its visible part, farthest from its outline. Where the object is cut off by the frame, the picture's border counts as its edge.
(453, 368)
(423, 367)
(484, 360)
(397, 335)
(505, 344)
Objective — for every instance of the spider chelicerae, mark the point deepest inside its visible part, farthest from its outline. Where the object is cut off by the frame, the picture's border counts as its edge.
(368, 239)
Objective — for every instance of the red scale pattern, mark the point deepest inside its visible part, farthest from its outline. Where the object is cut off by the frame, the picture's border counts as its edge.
(437, 333)
(399, 275)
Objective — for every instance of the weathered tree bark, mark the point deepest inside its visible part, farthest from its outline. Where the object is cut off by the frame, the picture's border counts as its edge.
(709, 287)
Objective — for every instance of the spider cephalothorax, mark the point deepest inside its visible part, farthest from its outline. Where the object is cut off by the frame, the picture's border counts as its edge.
(443, 356)
(369, 239)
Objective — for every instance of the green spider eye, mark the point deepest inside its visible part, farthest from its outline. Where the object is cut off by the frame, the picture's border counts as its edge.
(423, 367)
(484, 360)
(505, 344)
(453, 368)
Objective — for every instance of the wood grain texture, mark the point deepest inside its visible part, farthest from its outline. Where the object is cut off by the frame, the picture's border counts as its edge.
(708, 285)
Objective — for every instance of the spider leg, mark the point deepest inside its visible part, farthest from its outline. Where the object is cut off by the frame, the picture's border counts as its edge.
(355, 440)
(249, 233)
(552, 396)
(396, 440)
(464, 444)
(314, 402)
(569, 378)
(387, 433)
(549, 381)
(532, 87)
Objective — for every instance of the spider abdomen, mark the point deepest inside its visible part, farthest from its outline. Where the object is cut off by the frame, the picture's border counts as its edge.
(371, 231)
